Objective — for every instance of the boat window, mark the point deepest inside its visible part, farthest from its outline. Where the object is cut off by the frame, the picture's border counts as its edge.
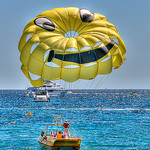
(41, 93)
(50, 90)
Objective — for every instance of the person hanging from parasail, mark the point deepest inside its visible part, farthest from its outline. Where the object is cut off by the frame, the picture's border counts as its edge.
(66, 129)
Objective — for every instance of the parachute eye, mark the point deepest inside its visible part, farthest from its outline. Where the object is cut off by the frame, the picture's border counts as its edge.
(86, 15)
(45, 23)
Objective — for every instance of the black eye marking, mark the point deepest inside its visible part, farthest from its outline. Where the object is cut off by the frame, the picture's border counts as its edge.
(45, 23)
(86, 15)
(51, 55)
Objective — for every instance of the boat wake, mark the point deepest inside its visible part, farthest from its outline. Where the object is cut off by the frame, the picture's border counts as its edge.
(97, 108)
(106, 109)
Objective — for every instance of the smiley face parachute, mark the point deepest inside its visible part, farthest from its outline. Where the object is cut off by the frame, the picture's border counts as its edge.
(69, 44)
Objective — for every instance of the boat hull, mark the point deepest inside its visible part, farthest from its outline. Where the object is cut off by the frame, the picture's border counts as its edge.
(41, 98)
(71, 143)
(37, 100)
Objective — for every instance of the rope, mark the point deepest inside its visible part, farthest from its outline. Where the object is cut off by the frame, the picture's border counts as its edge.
(100, 83)
(92, 83)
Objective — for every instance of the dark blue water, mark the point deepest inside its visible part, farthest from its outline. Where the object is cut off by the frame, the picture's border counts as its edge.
(104, 119)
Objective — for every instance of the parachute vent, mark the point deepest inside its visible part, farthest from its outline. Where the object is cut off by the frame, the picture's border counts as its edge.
(71, 34)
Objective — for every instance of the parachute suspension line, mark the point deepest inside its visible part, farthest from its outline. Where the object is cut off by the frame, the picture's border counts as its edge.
(97, 71)
(57, 49)
(54, 54)
(78, 83)
(97, 63)
(65, 85)
(60, 82)
(69, 85)
(100, 81)
(103, 79)
(87, 84)
(63, 60)
(75, 84)
(92, 83)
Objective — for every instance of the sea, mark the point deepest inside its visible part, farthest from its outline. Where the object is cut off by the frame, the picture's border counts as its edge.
(105, 119)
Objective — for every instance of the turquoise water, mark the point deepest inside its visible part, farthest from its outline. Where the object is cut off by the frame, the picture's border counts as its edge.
(104, 119)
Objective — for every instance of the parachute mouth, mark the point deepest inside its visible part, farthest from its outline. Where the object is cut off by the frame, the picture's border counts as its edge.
(83, 57)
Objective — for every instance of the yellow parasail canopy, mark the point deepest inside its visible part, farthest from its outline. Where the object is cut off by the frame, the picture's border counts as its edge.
(69, 44)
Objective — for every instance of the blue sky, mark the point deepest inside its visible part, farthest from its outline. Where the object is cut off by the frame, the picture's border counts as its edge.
(131, 17)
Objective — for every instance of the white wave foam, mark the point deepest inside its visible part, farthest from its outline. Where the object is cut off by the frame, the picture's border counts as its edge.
(97, 108)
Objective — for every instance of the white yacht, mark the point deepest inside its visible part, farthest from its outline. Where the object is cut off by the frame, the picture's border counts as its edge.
(54, 89)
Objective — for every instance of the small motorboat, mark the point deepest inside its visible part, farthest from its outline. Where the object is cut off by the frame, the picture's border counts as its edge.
(133, 93)
(49, 138)
(41, 96)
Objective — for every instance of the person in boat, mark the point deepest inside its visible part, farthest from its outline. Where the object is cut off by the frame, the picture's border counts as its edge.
(52, 135)
(43, 133)
(59, 135)
(55, 133)
(66, 129)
